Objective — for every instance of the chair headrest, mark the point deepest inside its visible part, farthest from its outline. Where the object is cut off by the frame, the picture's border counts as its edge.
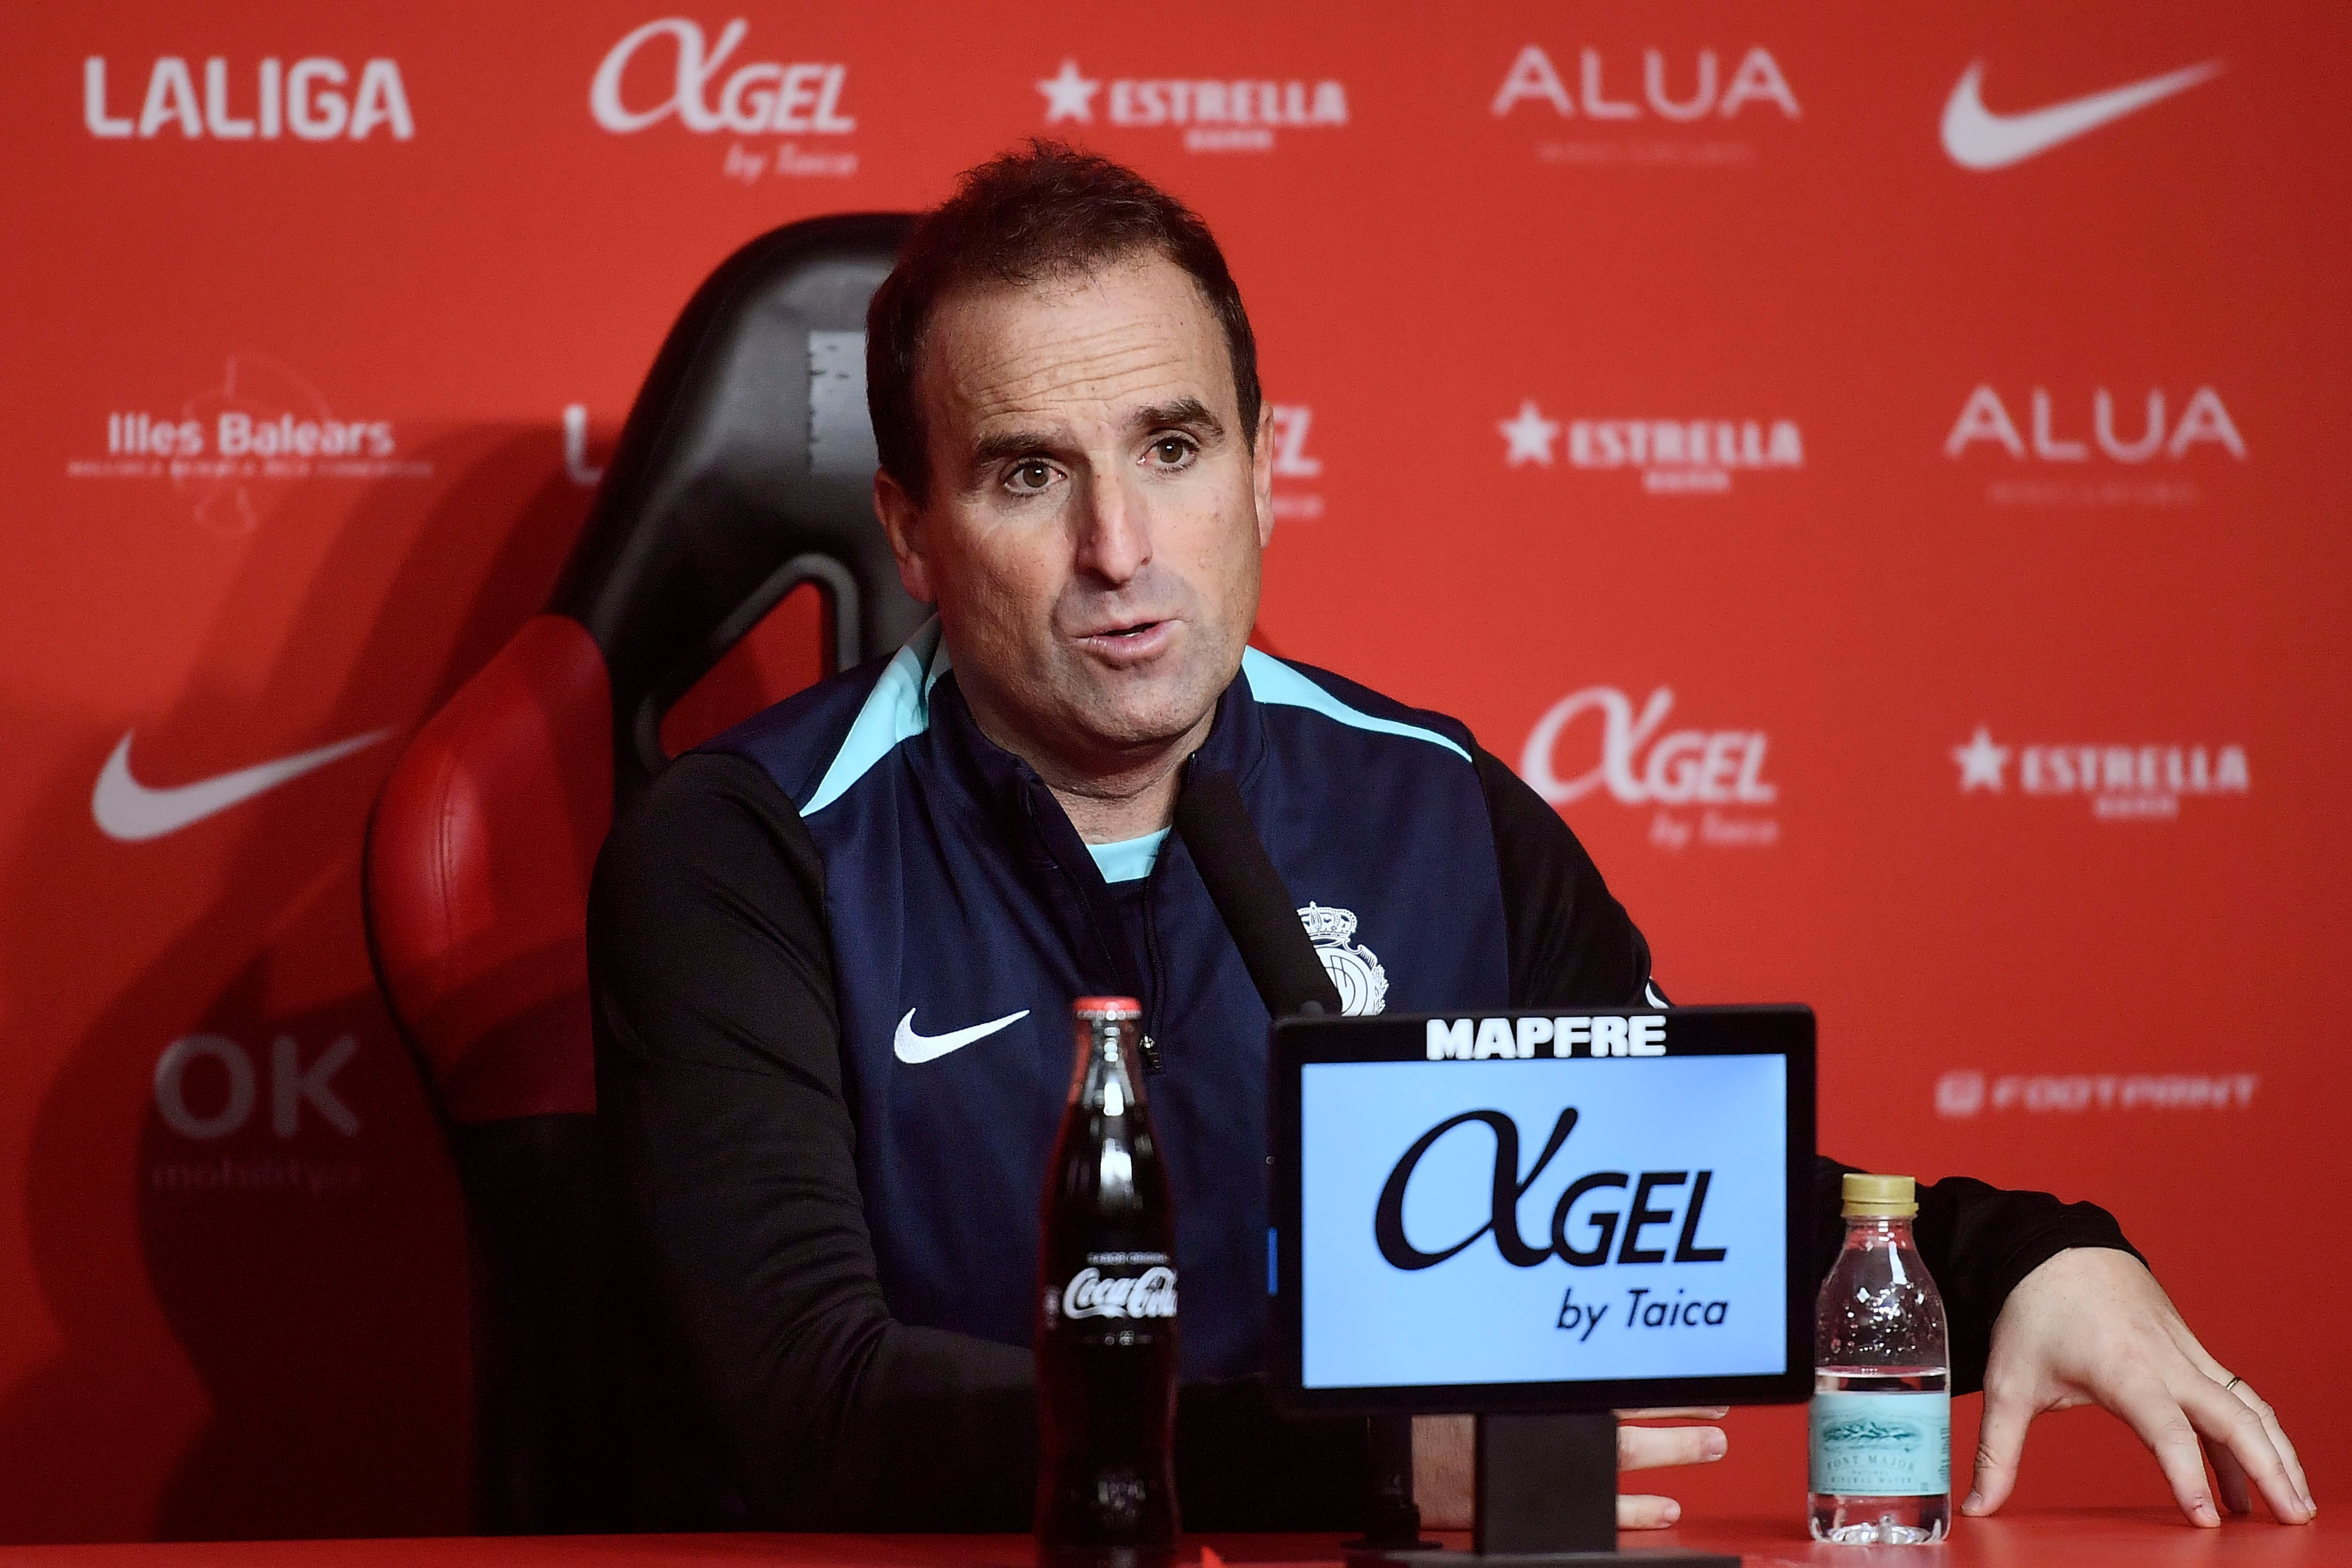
(746, 467)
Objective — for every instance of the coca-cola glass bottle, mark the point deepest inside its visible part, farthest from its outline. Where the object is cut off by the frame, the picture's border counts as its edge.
(1106, 1315)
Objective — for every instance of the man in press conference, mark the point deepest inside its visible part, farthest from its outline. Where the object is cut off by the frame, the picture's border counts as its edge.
(831, 952)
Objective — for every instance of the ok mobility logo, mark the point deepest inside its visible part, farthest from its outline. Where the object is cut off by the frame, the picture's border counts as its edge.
(1662, 1223)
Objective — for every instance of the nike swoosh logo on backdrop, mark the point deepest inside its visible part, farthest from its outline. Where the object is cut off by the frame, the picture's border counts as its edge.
(915, 1049)
(128, 810)
(1977, 138)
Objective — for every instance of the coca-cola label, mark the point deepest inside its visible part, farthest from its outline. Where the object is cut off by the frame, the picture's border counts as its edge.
(1092, 1293)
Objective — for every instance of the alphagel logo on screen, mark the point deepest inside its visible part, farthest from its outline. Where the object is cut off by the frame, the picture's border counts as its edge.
(1598, 1214)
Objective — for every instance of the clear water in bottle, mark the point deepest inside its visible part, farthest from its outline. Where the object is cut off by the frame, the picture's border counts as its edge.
(1882, 1411)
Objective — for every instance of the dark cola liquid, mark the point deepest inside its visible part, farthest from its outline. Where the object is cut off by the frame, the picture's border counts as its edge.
(1107, 1317)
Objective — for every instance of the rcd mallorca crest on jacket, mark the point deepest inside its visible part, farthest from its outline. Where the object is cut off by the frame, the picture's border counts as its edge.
(1355, 971)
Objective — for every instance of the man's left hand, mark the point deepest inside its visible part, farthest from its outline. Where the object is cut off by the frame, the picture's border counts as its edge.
(2092, 1326)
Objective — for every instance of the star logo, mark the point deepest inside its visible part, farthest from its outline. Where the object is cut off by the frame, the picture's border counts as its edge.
(1530, 437)
(1069, 96)
(1981, 762)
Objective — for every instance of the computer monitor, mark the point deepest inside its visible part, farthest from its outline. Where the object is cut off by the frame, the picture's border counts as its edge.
(1520, 1212)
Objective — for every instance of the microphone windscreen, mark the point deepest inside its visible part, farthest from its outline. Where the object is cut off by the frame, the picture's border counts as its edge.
(1251, 897)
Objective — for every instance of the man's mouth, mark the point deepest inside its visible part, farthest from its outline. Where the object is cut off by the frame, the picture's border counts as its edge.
(1128, 641)
(1132, 629)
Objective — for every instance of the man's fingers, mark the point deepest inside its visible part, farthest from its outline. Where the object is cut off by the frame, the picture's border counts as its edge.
(2148, 1408)
(2229, 1477)
(1654, 1448)
(1640, 1512)
(2000, 1441)
(2225, 1420)
(2244, 1391)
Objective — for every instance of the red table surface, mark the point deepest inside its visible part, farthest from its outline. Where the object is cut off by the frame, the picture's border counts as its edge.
(2143, 1538)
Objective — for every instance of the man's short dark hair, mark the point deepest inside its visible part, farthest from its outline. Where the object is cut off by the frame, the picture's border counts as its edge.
(1045, 212)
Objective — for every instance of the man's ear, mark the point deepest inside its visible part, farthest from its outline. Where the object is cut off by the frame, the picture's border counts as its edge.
(902, 521)
(1262, 473)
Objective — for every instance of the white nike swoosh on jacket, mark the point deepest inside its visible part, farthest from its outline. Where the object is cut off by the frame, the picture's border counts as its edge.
(127, 810)
(1979, 139)
(915, 1049)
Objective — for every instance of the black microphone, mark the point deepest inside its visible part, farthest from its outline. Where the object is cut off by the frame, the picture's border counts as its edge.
(1251, 898)
(1258, 910)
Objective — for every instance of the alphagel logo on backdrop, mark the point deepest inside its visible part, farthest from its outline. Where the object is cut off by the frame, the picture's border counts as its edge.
(1644, 109)
(707, 91)
(1216, 115)
(312, 101)
(1645, 1238)
(2084, 448)
(1674, 457)
(1641, 762)
(2123, 783)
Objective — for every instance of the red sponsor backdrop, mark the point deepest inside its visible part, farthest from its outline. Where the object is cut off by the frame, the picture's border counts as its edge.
(1903, 528)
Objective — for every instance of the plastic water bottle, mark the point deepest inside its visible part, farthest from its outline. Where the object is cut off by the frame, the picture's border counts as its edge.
(1882, 1412)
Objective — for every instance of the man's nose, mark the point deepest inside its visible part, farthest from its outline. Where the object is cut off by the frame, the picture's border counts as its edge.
(1115, 533)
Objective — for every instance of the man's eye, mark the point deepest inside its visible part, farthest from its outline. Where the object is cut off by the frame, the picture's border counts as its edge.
(1029, 478)
(1171, 450)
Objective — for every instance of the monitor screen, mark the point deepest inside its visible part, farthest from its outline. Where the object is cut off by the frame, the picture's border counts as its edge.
(1523, 1211)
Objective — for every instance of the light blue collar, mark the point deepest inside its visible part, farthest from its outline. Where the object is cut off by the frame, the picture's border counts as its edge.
(1130, 859)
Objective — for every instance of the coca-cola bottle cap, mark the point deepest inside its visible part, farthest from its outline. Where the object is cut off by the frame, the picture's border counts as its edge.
(1107, 1007)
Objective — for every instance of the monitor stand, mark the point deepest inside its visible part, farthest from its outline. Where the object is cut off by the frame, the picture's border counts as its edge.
(1545, 1493)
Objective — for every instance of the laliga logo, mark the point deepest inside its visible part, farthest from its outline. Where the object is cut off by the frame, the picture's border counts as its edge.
(759, 97)
(1684, 766)
(307, 101)
(1151, 1294)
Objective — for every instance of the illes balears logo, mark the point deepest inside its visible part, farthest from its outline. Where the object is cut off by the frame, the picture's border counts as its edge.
(1508, 1187)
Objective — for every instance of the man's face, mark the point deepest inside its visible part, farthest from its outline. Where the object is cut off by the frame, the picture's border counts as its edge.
(1096, 512)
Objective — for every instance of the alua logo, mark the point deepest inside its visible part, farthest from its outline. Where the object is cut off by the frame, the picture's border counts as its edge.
(312, 101)
(2123, 782)
(1354, 972)
(1665, 93)
(1674, 457)
(1217, 115)
(2066, 437)
(761, 96)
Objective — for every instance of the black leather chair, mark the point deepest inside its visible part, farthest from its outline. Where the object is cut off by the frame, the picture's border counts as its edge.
(744, 469)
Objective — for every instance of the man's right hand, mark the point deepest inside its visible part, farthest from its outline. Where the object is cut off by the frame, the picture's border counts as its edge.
(1442, 1464)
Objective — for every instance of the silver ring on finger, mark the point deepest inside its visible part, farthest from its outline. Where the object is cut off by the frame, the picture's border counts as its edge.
(2231, 1386)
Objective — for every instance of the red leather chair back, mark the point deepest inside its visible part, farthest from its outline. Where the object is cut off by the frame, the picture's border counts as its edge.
(744, 469)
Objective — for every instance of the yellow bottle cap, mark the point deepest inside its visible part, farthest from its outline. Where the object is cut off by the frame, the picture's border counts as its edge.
(1881, 1197)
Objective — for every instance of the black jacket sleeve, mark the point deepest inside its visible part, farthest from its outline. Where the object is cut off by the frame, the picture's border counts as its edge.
(1572, 944)
(772, 1385)
(730, 1148)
